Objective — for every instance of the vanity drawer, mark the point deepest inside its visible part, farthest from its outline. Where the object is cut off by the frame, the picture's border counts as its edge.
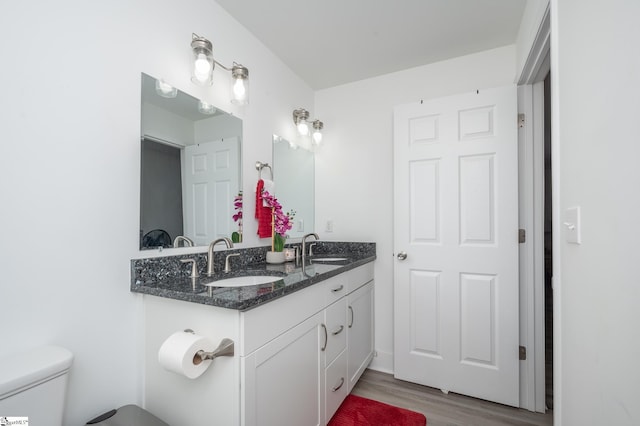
(335, 288)
(335, 320)
(359, 276)
(336, 386)
(264, 323)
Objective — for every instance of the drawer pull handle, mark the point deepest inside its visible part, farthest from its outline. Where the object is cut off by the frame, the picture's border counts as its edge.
(338, 331)
(326, 337)
(339, 386)
(337, 289)
(351, 323)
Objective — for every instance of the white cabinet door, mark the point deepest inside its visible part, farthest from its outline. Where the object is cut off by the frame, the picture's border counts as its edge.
(284, 379)
(359, 332)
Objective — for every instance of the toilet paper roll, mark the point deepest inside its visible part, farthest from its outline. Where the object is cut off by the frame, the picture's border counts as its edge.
(179, 354)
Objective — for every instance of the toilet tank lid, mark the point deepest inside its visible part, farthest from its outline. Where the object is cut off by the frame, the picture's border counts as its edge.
(27, 368)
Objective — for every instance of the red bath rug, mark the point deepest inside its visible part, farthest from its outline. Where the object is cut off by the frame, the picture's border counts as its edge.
(358, 411)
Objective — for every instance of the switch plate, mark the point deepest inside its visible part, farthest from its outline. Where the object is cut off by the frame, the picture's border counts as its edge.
(300, 225)
(329, 226)
(572, 225)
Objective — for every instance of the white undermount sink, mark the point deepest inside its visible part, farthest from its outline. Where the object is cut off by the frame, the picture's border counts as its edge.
(244, 281)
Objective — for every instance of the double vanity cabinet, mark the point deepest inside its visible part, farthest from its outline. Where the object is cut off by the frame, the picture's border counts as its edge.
(297, 368)
(296, 357)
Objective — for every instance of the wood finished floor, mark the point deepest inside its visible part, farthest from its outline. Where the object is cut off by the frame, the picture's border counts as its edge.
(441, 409)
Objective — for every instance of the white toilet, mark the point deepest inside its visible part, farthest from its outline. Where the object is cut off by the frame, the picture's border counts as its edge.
(33, 384)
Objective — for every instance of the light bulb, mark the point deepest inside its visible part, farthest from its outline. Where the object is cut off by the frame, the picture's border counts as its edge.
(303, 128)
(239, 90)
(317, 136)
(202, 68)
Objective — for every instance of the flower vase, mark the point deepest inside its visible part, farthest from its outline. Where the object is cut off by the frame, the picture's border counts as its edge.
(277, 254)
(275, 257)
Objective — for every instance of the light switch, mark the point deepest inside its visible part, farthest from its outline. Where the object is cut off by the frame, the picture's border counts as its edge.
(572, 225)
(329, 226)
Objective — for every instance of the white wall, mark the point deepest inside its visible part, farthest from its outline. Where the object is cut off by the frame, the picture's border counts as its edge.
(354, 166)
(69, 169)
(595, 101)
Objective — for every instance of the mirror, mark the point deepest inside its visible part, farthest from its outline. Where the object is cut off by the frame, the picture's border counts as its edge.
(294, 177)
(190, 174)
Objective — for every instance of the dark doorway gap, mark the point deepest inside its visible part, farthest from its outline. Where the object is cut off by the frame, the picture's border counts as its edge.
(548, 251)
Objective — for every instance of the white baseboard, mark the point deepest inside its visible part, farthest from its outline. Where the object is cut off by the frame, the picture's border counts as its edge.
(382, 361)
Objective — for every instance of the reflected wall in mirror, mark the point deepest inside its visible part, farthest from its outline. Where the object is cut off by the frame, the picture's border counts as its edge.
(191, 173)
(294, 177)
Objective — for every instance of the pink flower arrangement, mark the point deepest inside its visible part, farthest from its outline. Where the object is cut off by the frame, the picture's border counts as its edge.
(282, 222)
(236, 236)
(237, 205)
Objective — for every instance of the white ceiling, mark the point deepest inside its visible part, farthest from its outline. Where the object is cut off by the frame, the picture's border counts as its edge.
(332, 42)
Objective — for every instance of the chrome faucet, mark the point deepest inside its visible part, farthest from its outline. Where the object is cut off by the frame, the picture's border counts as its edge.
(304, 245)
(187, 242)
(229, 245)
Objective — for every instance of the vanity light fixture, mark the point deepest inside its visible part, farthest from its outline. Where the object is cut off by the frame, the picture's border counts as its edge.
(204, 63)
(165, 90)
(300, 118)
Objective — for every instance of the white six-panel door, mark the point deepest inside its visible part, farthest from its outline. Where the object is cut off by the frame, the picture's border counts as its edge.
(456, 219)
(210, 184)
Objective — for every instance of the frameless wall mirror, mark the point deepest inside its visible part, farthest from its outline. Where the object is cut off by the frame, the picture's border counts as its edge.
(293, 174)
(191, 173)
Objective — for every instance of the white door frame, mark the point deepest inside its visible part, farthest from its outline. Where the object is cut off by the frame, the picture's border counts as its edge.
(531, 207)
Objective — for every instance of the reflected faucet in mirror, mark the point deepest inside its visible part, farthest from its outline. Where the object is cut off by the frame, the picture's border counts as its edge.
(186, 241)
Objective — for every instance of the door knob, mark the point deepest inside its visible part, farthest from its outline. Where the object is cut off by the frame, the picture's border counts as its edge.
(402, 255)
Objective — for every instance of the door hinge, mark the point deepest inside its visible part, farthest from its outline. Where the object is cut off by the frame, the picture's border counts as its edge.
(520, 120)
(522, 236)
(523, 353)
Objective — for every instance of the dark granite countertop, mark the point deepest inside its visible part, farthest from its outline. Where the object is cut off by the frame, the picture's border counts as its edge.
(293, 278)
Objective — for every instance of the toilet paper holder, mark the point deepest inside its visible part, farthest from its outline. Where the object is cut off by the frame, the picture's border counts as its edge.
(225, 348)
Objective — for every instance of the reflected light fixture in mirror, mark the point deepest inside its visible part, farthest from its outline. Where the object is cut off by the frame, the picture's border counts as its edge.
(300, 118)
(166, 90)
(206, 108)
(204, 63)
